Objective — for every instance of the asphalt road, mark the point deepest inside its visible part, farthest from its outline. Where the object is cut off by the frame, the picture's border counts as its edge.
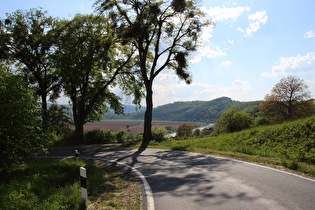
(181, 180)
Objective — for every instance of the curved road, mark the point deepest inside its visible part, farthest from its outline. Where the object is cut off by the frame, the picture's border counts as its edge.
(182, 180)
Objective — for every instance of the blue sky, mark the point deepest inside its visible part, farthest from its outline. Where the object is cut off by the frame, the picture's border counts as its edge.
(252, 46)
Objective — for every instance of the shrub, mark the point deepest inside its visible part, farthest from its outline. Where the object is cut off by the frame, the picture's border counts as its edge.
(20, 128)
(233, 120)
(120, 136)
(196, 132)
(185, 130)
(98, 136)
(133, 139)
(261, 121)
(159, 133)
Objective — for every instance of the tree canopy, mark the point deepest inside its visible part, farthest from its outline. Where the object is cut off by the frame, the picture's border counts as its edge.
(185, 130)
(26, 38)
(89, 59)
(163, 32)
(289, 99)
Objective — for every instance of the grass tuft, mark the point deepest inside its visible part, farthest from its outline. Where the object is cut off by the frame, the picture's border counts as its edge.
(290, 145)
(54, 184)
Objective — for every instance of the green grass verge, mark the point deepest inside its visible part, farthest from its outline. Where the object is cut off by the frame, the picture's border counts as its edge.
(54, 184)
(290, 145)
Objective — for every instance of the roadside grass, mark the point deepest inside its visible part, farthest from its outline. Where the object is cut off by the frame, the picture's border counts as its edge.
(290, 145)
(55, 184)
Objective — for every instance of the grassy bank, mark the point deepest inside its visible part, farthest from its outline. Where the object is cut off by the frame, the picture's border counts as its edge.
(291, 145)
(54, 184)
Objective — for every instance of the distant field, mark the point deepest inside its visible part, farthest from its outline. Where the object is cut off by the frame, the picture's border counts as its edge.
(134, 126)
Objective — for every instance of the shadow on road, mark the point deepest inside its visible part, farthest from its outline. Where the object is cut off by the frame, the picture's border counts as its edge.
(193, 180)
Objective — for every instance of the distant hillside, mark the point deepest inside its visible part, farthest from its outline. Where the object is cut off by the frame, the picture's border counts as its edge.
(127, 108)
(132, 108)
(194, 111)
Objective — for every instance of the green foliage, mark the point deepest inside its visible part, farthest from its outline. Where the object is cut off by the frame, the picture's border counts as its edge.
(288, 100)
(120, 136)
(290, 141)
(233, 120)
(291, 144)
(27, 38)
(20, 128)
(196, 132)
(194, 111)
(159, 133)
(88, 63)
(133, 139)
(59, 118)
(258, 121)
(54, 184)
(161, 37)
(102, 136)
(185, 130)
(99, 136)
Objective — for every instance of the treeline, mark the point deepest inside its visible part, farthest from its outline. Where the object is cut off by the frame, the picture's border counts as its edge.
(193, 111)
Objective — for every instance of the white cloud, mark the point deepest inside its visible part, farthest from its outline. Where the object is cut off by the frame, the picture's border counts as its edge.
(255, 21)
(173, 91)
(240, 29)
(237, 90)
(240, 84)
(292, 64)
(309, 34)
(207, 34)
(166, 77)
(226, 63)
(231, 41)
(223, 13)
(209, 52)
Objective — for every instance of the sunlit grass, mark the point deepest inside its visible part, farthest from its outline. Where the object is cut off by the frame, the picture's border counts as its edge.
(54, 184)
(290, 145)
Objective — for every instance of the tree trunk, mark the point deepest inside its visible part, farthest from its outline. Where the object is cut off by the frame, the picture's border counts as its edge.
(44, 111)
(147, 134)
(79, 131)
(78, 124)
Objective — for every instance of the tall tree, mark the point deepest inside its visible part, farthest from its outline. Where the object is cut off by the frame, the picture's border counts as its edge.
(90, 58)
(26, 38)
(163, 32)
(19, 122)
(289, 99)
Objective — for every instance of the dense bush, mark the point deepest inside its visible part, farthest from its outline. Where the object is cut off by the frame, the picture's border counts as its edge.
(159, 133)
(102, 136)
(197, 132)
(185, 130)
(20, 127)
(233, 120)
(261, 121)
(120, 136)
(133, 139)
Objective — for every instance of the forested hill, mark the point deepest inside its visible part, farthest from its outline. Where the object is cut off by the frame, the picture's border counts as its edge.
(194, 111)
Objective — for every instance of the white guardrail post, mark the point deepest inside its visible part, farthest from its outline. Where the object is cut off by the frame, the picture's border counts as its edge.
(77, 154)
(83, 186)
